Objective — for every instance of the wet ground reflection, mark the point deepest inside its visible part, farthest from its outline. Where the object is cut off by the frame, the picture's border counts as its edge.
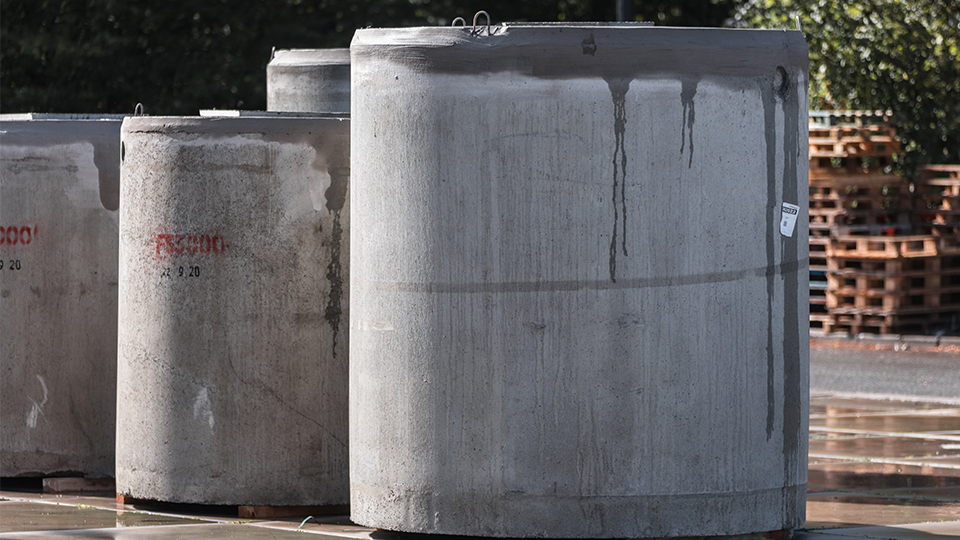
(882, 462)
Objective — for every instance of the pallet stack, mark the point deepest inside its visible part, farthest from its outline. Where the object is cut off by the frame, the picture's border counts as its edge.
(884, 256)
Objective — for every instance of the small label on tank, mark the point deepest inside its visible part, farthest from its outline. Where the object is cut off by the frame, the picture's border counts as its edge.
(788, 219)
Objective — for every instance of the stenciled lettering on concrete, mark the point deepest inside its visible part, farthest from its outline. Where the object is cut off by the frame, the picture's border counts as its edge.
(17, 234)
(180, 271)
(175, 244)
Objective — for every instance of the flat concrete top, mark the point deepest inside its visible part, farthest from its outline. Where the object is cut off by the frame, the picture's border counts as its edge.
(310, 57)
(20, 117)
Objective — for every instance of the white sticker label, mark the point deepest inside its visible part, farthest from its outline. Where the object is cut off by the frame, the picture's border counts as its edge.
(788, 219)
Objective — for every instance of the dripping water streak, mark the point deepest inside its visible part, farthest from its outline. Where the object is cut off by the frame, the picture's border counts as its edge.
(770, 138)
(790, 251)
(618, 91)
(688, 89)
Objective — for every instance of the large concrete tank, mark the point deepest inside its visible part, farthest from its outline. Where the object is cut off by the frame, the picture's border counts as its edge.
(59, 194)
(232, 371)
(578, 303)
(309, 80)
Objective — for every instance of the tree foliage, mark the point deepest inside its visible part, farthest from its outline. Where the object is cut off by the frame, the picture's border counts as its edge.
(901, 55)
(178, 57)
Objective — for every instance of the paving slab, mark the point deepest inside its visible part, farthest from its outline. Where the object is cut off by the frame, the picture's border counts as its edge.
(853, 510)
(30, 516)
(915, 531)
(171, 532)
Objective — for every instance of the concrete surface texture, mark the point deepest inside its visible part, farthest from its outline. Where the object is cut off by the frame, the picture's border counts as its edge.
(852, 495)
(576, 311)
(232, 369)
(59, 195)
(309, 80)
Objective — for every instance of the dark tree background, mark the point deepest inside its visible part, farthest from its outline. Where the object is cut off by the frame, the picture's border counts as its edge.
(178, 57)
(898, 55)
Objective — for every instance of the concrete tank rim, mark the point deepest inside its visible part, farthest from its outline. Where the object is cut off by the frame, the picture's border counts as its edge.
(300, 122)
(310, 57)
(674, 33)
(576, 51)
(444, 37)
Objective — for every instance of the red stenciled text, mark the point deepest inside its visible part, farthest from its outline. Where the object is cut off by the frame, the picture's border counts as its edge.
(172, 244)
(14, 235)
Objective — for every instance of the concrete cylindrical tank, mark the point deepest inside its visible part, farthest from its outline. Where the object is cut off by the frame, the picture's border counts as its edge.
(232, 373)
(59, 194)
(576, 310)
(309, 80)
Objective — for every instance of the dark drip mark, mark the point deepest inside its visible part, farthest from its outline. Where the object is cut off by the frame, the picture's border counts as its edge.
(790, 251)
(336, 197)
(618, 90)
(770, 139)
(589, 45)
(105, 158)
(688, 89)
(334, 310)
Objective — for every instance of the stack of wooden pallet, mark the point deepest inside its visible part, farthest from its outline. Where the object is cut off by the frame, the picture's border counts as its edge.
(884, 256)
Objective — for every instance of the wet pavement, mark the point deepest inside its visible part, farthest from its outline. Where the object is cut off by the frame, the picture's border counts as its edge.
(884, 465)
(880, 467)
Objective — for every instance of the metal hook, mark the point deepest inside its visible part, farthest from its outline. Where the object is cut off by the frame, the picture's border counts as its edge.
(477, 16)
(798, 23)
(138, 110)
(463, 22)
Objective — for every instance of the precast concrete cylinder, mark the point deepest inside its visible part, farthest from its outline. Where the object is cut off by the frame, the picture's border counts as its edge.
(59, 195)
(232, 364)
(309, 80)
(578, 281)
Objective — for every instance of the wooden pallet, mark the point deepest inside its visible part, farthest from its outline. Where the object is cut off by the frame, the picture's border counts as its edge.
(876, 247)
(825, 223)
(826, 147)
(850, 165)
(928, 173)
(843, 117)
(849, 131)
(884, 324)
(893, 301)
(945, 265)
(857, 176)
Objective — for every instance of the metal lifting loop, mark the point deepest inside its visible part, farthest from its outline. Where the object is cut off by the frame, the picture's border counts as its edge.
(138, 110)
(477, 16)
(463, 22)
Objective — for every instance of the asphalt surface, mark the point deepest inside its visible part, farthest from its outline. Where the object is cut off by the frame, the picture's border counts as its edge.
(888, 372)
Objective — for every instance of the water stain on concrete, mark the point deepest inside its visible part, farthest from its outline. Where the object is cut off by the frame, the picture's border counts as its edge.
(618, 91)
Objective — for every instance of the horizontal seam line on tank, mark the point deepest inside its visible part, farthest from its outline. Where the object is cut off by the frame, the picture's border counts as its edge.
(573, 285)
(746, 492)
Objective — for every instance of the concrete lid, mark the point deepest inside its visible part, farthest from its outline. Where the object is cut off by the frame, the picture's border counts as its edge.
(277, 124)
(20, 117)
(310, 57)
(233, 113)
